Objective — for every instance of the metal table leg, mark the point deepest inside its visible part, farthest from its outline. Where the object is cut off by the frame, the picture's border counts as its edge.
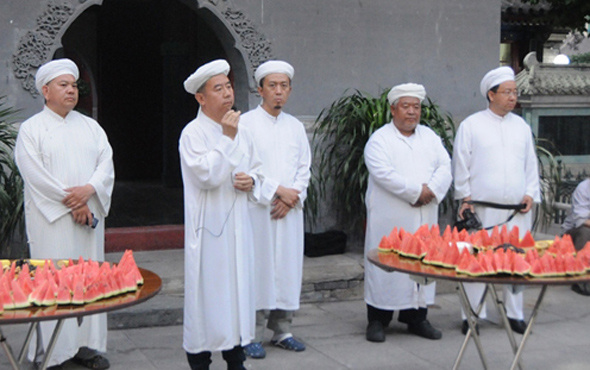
(502, 312)
(51, 343)
(529, 327)
(472, 316)
(8, 351)
(27, 342)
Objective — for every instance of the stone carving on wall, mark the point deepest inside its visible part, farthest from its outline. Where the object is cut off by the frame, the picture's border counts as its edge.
(35, 47)
(253, 42)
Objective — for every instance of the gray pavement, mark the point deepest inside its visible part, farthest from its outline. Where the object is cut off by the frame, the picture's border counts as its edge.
(334, 332)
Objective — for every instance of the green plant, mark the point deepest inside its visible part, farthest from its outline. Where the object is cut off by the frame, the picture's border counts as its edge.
(342, 130)
(580, 58)
(11, 183)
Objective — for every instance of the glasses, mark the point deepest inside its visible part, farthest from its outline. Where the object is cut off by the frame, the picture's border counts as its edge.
(509, 92)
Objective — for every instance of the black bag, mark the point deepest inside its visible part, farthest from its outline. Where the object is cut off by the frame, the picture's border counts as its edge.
(324, 244)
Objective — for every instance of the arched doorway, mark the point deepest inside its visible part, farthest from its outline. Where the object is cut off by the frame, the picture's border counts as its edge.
(137, 53)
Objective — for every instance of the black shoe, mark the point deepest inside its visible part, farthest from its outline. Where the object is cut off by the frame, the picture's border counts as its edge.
(517, 326)
(425, 330)
(375, 332)
(581, 288)
(465, 327)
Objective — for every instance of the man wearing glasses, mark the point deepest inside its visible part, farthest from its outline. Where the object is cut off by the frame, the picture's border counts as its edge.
(494, 160)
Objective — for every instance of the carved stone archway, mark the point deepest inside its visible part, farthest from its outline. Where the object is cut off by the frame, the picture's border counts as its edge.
(38, 45)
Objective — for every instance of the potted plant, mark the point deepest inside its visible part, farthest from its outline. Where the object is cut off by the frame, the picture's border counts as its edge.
(11, 187)
(341, 132)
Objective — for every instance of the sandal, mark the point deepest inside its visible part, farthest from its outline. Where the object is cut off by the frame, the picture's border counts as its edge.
(95, 362)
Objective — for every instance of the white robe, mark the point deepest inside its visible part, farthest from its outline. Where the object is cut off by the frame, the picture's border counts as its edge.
(52, 154)
(398, 166)
(282, 145)
(219, 310)
(494, 160)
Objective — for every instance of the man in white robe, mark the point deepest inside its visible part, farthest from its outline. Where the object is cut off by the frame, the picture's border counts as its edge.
(494, 160)
(219, 171)
(577, 225)
(66, 163)
(282, 144)
(409, 175)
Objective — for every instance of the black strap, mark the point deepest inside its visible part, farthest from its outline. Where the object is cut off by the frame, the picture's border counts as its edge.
(516, 207)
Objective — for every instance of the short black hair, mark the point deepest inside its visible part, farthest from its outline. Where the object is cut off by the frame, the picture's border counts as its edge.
(494, 89)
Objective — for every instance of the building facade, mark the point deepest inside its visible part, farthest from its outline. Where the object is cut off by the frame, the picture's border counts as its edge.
(134, 55)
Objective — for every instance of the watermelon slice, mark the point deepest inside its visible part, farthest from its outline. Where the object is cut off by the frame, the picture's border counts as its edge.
(6, 297)
(385, 245)
(78, 292)
(38, 294)
(520, 266)
(527, 240)
(19, 298)
(451, 256)
(513, 237)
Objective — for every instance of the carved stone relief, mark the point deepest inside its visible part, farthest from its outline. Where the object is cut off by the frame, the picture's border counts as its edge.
(37, 46)
(255, 44)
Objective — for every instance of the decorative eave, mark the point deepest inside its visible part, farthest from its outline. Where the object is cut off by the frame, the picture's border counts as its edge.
(552, 79)
(516, 12)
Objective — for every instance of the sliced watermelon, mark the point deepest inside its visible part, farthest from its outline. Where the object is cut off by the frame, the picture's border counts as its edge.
(19, 298)
(527, 240)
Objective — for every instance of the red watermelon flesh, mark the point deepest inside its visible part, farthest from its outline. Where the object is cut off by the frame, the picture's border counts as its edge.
(504, 234)
(520, 266)
(19, 298)
(486, 264)
(527, 240)
(64, 294)
(571, 266)
(7, 301)
(38, 294)
(451, 256)
(78, 293)
(385, 245)
(513, 237)
(434, 255)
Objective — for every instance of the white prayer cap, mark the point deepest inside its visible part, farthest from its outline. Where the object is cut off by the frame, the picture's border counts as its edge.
(204, 73)
(410, 89)
(53, 69)
(273, 66)
(495, 77)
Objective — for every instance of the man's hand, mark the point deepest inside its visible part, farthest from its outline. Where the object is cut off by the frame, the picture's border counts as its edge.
(243, 182)
(82, 215)
(279, 210)
(229, 123)
(426, 196)
(464, 206)
(529, 204)
(289, 196)
(78, 196)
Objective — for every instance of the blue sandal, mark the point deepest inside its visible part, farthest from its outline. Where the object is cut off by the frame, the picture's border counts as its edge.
(255, 350)
(290, 344)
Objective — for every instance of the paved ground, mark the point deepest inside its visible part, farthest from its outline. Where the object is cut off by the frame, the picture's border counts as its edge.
(334, 335)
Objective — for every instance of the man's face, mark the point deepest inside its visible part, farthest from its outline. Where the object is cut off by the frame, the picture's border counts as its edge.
(406, 114)
(275, 91)
(61, 94)
(504, 100)
(216, 97)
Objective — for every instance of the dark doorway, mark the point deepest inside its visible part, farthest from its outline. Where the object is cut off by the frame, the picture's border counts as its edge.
(134, 55)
